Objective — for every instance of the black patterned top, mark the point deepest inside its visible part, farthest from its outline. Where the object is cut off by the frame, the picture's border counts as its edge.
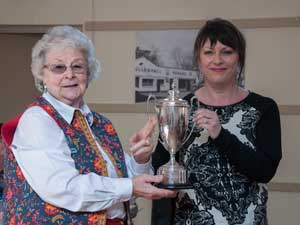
(229, 173)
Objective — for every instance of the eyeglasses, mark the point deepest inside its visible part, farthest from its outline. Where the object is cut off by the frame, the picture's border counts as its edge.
(78, 68)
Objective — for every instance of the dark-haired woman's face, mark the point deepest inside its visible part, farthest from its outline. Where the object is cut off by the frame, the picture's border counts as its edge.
(218, 63)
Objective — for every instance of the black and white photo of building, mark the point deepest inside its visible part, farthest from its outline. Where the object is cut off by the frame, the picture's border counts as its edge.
(161, 58)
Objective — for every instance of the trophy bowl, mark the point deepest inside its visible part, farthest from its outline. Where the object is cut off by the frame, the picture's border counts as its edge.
(173, 118)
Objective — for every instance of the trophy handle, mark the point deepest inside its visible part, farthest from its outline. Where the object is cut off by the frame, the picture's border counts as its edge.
(148, 103)
(153, 97)
(193, 127)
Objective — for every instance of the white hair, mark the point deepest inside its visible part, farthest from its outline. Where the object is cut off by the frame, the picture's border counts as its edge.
(60, 37)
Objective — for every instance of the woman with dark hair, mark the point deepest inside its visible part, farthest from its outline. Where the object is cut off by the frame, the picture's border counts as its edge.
(235, 147)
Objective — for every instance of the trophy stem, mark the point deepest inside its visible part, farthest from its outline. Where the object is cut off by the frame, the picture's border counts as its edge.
(172, 158)
(173, 172)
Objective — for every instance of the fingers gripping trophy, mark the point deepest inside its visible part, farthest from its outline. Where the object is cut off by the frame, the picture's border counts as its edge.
(173, 118)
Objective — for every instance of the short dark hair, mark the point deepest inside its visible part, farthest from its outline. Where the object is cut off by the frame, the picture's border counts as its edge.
(225, 32)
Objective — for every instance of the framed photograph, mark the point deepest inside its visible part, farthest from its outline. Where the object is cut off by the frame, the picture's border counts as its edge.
(161, 58)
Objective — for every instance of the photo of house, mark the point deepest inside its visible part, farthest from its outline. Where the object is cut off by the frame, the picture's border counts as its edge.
(153, 79)
(161, 58)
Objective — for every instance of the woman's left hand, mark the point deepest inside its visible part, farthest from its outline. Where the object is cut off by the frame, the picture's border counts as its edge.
(140, 142)
(209, 120)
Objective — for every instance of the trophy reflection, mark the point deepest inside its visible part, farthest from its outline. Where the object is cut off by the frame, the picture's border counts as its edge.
(173, 118)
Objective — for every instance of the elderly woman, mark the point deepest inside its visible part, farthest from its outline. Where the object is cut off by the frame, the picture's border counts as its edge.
(236, 146)
(64, 163)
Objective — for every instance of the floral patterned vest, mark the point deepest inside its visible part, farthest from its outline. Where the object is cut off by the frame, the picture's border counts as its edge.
(23, 206)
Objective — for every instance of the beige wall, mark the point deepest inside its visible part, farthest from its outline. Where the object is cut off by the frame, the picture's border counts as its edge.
(271, 67)
(76, 11)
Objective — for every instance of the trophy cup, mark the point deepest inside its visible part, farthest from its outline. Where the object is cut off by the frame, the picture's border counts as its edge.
(173, 117)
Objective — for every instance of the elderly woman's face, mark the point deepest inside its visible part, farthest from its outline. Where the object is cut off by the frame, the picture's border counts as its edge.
(65, 75)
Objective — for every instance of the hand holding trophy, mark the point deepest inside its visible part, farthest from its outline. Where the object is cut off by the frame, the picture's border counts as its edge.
(173, 117)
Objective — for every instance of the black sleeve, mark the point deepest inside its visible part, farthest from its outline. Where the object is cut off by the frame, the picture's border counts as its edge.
(162, 209)
(259, 164)
(160, 156)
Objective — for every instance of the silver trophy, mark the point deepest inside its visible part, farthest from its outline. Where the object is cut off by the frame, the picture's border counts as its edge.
(173, 117)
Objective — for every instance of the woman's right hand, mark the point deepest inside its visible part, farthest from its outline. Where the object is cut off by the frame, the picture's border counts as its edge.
(142, 187)
(140, 142)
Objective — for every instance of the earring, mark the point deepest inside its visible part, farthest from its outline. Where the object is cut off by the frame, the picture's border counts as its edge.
(240, 77)
(43, 87)
(200, 77)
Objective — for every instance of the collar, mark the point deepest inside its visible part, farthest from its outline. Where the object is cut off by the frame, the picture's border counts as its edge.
(66, 111)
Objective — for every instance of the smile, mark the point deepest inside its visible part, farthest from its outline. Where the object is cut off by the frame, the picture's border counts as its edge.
(70, 85)
(218, 69)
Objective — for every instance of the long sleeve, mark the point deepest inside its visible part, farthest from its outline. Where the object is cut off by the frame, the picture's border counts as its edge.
(162, 209)
(261, 163)
(160, 156)
(44, 157)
